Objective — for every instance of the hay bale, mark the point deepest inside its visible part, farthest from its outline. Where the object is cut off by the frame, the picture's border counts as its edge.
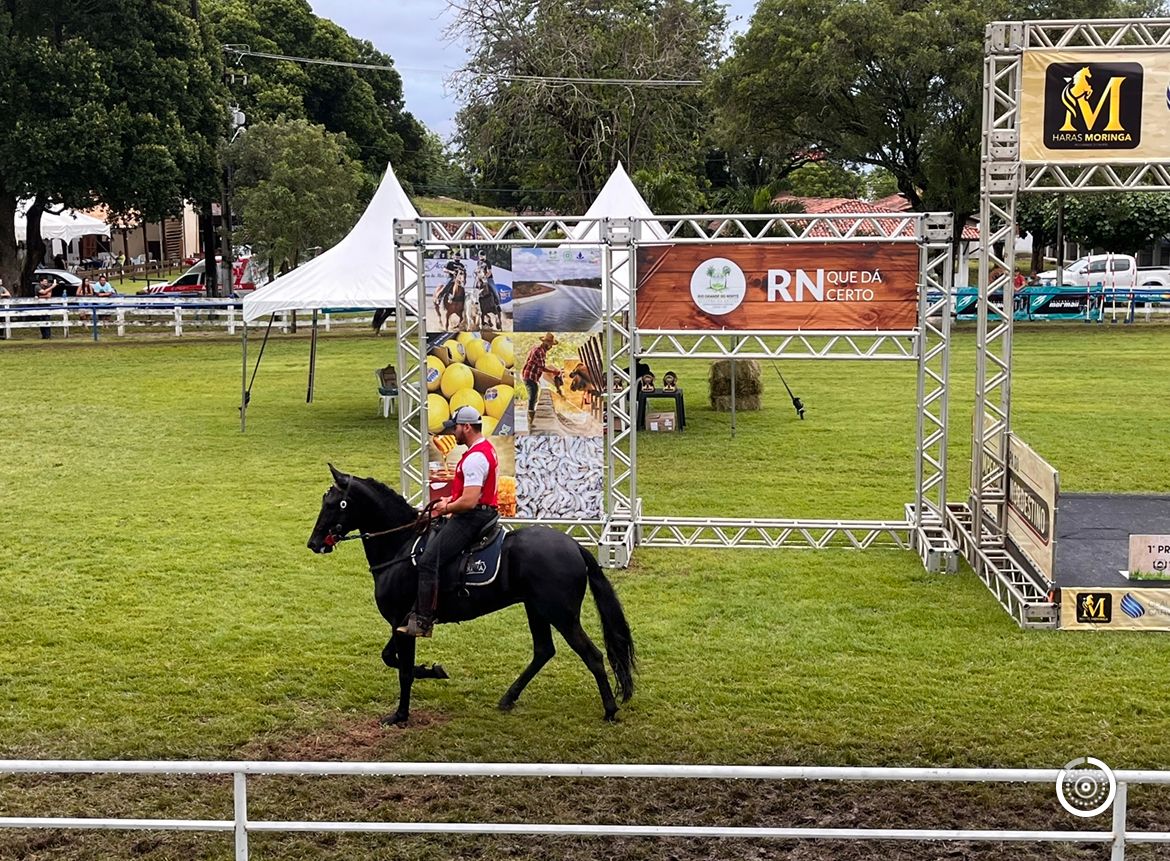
(749, 385)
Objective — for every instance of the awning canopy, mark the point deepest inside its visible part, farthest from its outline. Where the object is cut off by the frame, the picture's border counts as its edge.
(66, 226)
(357, 272)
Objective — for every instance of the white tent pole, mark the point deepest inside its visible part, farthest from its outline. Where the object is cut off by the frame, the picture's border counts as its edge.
(312, 360)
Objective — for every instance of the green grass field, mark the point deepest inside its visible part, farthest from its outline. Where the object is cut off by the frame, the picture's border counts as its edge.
(157, 598)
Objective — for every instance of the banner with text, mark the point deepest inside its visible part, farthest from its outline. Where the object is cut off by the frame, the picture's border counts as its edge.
(1031, 511)
(762, 287)
(1090, 106)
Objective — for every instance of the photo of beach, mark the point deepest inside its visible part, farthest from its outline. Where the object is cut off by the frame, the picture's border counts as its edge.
(556, 289)
(468, 291)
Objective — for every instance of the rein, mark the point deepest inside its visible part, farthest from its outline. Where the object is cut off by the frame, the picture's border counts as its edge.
(420, 524)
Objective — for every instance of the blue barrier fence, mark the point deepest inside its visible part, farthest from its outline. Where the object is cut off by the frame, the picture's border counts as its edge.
(1090, 304)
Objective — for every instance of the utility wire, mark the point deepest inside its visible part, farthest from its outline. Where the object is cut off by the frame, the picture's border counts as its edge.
(241, 51)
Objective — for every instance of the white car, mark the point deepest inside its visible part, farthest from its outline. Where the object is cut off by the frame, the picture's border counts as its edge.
(1111, 271)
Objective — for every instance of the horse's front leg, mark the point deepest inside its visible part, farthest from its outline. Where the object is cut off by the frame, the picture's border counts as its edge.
(421, 671)
(404, 646)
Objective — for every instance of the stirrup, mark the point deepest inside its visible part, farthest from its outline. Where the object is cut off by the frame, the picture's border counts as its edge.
(416, 626)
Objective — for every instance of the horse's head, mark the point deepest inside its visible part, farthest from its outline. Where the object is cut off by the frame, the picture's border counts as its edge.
(353, 503)
(338, 516)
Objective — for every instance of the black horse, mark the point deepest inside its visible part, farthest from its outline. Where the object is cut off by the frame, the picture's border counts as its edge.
(541, 568)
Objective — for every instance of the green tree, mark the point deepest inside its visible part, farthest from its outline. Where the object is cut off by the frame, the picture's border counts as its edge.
(823, 179)
(880, 183)
(896, 84)
(366, 104)
(538, 131)
(1119, 223)
(1036, 216)
(295, 188)
(132, 127)
(669, 192)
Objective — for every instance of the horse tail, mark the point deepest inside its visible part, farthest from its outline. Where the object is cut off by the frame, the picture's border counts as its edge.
(619, 643)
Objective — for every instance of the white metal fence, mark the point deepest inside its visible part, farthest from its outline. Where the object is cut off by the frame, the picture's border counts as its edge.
(128, 314)
(1117, 835)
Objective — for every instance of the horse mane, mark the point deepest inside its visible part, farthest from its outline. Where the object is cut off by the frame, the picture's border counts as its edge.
(391, 500)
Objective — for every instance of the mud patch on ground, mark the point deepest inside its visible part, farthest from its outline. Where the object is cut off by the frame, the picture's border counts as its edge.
(347, 739)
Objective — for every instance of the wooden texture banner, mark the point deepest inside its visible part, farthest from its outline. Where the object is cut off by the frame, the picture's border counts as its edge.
(772, 287)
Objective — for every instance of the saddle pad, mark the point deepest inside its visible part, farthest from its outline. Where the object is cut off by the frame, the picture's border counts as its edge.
(480, 569)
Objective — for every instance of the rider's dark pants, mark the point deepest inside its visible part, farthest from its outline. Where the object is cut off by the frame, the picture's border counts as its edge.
(443, 547)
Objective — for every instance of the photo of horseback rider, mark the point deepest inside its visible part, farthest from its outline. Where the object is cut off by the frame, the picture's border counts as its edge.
(472, 504)
(489, 297)
(456, 277)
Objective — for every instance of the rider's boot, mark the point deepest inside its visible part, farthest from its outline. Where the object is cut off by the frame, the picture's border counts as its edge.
(417, 625)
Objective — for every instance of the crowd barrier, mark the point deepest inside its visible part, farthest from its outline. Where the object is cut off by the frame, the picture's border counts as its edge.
(1112, 830)
(1091, 304)
(128, 314)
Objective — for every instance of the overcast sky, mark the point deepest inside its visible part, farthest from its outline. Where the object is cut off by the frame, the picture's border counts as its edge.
(415, 40)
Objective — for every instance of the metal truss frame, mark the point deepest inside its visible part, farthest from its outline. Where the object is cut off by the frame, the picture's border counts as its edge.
(980, 526)
(795, 534)
(929, 345)
(413, 238)
(623, 524)
(662, 343)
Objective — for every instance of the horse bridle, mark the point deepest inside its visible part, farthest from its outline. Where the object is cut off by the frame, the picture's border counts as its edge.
(335, 536)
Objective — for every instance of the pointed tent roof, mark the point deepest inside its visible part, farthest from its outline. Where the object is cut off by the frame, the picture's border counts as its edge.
(357, 272)
(619, 198)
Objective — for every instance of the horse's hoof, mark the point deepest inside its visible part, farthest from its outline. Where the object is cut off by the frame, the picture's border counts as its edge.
(611, 717)
(396, 719)
(506, 705)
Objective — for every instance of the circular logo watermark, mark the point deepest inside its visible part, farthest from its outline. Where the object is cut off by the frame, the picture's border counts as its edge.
(1086, 787)
(718, 286)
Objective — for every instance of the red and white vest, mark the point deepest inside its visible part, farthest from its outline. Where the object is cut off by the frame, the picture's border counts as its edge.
(488, 495)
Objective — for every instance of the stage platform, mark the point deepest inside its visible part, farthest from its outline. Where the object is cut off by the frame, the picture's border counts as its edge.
(1092, 537)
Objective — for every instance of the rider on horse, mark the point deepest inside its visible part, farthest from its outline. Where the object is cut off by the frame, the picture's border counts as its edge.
(453, 268)
(472, 504)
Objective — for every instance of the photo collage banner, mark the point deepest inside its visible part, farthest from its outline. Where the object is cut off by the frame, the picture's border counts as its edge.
(512, 335)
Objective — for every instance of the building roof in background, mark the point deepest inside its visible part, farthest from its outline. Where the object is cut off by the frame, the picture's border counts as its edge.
(895, 204)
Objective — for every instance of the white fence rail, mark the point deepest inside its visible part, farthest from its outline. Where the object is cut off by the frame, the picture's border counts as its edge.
(1117, 835)
(126, 314)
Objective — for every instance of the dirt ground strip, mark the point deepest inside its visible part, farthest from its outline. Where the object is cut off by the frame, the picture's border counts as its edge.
(634, 801)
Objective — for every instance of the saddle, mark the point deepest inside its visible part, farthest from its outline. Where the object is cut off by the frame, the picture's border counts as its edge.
(477, 566)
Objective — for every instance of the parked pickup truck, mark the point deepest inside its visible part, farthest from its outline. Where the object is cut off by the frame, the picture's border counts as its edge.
(1111, 271)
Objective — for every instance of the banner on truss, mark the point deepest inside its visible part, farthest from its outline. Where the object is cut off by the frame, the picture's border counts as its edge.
(1088, 106)
(773, 287)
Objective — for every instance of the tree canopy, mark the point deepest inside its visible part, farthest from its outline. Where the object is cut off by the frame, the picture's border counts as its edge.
(541, 124)
(892, 83)
(366, 104)
(295, 188)
(133, 127)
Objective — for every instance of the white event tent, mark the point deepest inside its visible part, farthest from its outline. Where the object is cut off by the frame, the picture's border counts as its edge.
(618, 198)
(357, 272)
(66, 226)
